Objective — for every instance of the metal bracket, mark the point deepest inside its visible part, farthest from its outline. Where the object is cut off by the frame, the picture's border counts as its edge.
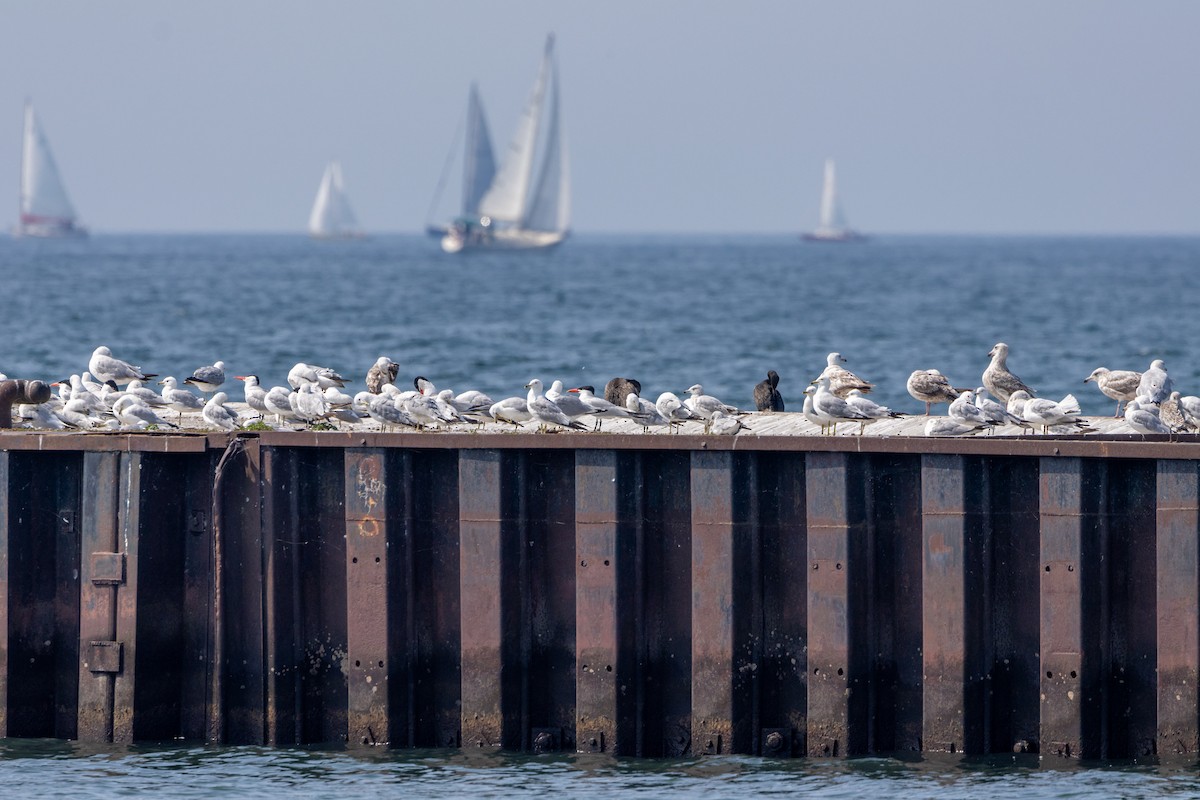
(105, 656)
(108, 569)
(591, 742)
(777, 742)
(197, 521)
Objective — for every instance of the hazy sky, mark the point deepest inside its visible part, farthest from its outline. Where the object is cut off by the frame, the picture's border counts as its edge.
(682, 115)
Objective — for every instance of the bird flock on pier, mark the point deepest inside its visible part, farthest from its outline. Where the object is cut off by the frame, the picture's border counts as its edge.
(113, 394)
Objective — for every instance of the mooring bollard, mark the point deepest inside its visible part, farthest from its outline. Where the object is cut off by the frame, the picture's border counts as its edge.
(14, 391)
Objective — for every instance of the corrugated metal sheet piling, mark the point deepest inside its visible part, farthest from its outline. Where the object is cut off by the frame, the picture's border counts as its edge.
(639, 595)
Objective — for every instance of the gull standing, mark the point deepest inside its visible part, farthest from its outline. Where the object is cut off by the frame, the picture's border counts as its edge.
(255, 394)
(1155, 385)
(996, 412)
(828, 405)
(545, 410)
(645, 412)
(216, 414)
(106, 368)
(384, 370)
(964, 411)
(1119, 384)
(601, 409)
(208, 379)
(277, 401)
(842, 380)
(809, 412)
(569, 404)
(766, 393)
(859, 402)
(930, 386)
(703, 404)
(1048, 413)
(177, 399)
(998, 379)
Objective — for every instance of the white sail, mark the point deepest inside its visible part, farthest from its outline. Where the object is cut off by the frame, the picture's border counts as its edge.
(331, 215)
(831, 214)
(505, 200)
(45, 208)
(479, 168)
(549, 207)
(832, 226)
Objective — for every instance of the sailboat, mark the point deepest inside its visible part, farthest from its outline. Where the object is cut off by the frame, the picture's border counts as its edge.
(832, 227)
(332, 217)
(507, 208)
(45, 211)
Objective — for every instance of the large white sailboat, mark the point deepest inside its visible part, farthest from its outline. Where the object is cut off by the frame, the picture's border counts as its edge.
(832, 227)
(508, 208)
(332, 217)
(45, 209)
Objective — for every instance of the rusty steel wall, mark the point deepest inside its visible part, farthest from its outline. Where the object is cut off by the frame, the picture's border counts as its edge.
(665, 602)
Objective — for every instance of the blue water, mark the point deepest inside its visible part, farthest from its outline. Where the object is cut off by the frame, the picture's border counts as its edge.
(58, 769)
(669, 311)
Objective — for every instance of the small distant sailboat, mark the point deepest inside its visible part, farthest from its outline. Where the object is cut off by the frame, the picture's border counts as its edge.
(507, 209)
(332, 217)
(46, 211)
(832, 227)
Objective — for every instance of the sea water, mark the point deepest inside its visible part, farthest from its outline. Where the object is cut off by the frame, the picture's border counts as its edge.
(669, 311)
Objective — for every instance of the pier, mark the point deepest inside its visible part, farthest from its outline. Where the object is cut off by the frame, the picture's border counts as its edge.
(658, 596)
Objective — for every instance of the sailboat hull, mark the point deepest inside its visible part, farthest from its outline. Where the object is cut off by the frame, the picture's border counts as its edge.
(834, 237)
(49, 229)
(511, 239)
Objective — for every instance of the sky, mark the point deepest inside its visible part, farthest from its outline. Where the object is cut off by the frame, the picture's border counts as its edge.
(682, 116)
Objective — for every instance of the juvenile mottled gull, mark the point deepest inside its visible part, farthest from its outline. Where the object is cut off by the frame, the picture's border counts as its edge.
(1189, 406)
(842, 380)
(1119, 384)
(1155, 385)
(930, 386)
(617, 389)
(384, 370)
(1171, 414)
(106, 368)
(208, 379)
(998, 379)
(766, 393)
